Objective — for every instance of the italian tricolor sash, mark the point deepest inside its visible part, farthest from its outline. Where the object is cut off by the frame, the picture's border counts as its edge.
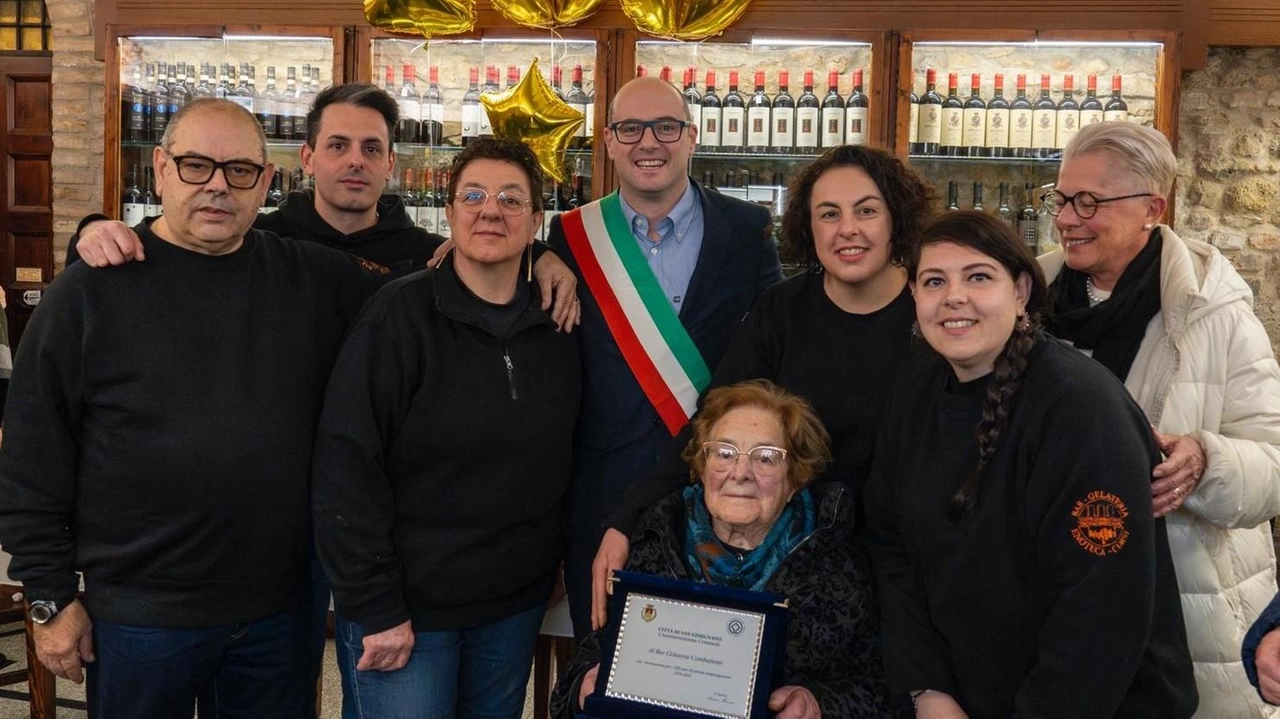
(659, 351)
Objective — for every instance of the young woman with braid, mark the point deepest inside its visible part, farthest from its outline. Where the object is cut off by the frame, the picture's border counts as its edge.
(1021, 571)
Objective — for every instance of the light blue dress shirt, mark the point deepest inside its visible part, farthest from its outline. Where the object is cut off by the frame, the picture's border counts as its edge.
(675, 254)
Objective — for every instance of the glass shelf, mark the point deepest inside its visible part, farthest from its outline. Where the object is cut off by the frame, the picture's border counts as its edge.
(794, 156)
(950, 159)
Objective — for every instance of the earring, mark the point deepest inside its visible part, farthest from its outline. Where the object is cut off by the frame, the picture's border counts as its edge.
(915, 329)
(1147, 226)
(529, 271)
(1024, 322)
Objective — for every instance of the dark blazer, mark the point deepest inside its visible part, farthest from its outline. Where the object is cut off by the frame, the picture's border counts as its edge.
(619, 434)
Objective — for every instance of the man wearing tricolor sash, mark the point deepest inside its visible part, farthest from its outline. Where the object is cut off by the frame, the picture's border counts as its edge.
(666, 270)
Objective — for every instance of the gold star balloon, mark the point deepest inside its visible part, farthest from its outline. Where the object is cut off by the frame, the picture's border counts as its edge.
(532, 113)
(546, 13)
(684, 19)
(427, 17)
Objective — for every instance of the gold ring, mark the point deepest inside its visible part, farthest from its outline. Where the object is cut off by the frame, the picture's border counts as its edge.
(1177, 491)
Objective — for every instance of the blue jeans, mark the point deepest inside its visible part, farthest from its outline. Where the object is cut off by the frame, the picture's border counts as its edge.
(247, 670)
(477, 673)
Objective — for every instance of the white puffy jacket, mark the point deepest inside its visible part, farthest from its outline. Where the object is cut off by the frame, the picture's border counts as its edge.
(1206, 369)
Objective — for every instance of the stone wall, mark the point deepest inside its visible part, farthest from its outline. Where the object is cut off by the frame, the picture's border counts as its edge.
(77, 119)
(1229, 167)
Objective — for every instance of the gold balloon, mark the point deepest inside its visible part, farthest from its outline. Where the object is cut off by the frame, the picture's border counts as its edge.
(684, 19)
(532, 113)
(427, 17)
(546, 13)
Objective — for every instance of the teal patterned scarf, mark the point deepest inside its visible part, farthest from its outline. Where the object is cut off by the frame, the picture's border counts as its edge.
(713, 562)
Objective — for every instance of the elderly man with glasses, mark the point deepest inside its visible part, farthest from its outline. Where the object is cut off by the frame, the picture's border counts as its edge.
(160, 427)
(666, 270)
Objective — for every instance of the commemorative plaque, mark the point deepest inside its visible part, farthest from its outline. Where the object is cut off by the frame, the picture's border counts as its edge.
(686, 649)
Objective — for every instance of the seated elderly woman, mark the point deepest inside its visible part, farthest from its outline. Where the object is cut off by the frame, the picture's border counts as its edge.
(750, 520)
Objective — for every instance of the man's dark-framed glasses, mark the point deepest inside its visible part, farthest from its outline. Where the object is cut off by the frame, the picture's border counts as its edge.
(198, 169)
(1085, 203)
(629, 132)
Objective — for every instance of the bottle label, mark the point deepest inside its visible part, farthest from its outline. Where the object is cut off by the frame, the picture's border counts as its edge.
(470, 120)
(930, 123)
(832, 126)
(710, 135)
(784, 127)
(486, 127)
(913, 125)
(695, 115)
(435, 112)
(1090, 117)
(133, 213)
(997, 128)
(952, 127)
(732, 130)
(1044, 127)
(807, 121)
(242, 101)
(442, 225)
(1068, 126)
(153, 209)
(582, 108)
(1116, 116)
(855, 121)
(410, 110)
(1020, 122)
(975, 127)
(588, 127)
(265, 210)
(758, 127)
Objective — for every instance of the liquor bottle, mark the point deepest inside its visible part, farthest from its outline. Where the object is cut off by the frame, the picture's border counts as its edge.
(1044, 122)
(242, 94)
(913, 122)
(433, 110)
(930, 133)
(1116, 109)
(1027, 221)
(952, 120)
(178, 95)
(557, 78)
(577, 99)
(733, 117)
(160, 102)
(191, 80)
(1091, 111)
(974, 135)
(226, 81)
(131, 208)
(808, 118)
(1068, 114)
(490, 88)
(133, 121)
(1020, 121)
(997, 144)
(268, 107)
(1003, 211)
(832, 113)
(409, 194)
(758, 108)
(1046, 229)
(302, 103)
(471, 109)
(151, 206)
(953, 195)
(977, 197)
(409, 128)
(275, 196)
(709, 132)
(513, 77)
(288, 103)
(692, 98)
(784, 116)
(855, 112)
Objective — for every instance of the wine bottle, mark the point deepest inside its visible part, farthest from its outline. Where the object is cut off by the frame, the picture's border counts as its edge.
(490, 88)
(1027, 221)
(930, 115)
(1020, 121)
(977, 197)
(471, 110)
(642, 71)
(226, 83)
(442, 191)
(913, 122)
(1044, 116)
(577, 99)
(784, 116)
(692, 98)
(242, 93)
(974, 135)
(289, 103)
(579, 196)
(302, 100)
(428, 213)
(513, 77)
(1116, 109)
(268, 106)
(952, 120)
(1091, 111)
(591, 118)
(855, 112)
(409, 128)
(131, 208)
(758, 108)
(275, 196)
(1003, 211)
(409, 194)
(997, 144)
(433, 109)
(709, 134)
(733, 117)
(557, 76)
(953, 195)
(159, 102)
(1068, 114)
(178, 88)
(151, 206)
(832, 113)
(552, 206)
(134, 103)
(665, 73)
(808, 117)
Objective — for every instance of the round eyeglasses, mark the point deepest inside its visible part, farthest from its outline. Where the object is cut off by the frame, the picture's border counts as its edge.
(509, 203)
(766, 461)
(198, 169)
(1085, 203)
(629, 132)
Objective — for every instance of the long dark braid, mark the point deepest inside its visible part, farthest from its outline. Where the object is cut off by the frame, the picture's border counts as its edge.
(1002, 395)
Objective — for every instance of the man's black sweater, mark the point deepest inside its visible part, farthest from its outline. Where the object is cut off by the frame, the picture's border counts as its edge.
(160, 429)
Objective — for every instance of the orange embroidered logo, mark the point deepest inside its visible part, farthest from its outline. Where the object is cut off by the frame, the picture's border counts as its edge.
(1100, 523)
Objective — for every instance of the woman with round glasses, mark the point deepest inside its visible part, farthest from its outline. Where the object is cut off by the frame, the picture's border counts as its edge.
(1174, 321)
(442, 456)
(752, 519)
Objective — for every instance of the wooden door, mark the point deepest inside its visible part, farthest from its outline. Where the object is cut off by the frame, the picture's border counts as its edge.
(26, 184)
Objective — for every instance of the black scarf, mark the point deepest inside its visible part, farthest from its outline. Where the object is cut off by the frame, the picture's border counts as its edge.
(1112, 329)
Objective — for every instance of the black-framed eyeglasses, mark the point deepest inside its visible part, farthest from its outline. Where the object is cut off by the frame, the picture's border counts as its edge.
(198, 169)
(509, 203)
(629, 132)
(1085, 203)
(765, 460)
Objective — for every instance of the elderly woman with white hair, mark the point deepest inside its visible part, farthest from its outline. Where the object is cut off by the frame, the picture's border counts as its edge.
(1173, 320)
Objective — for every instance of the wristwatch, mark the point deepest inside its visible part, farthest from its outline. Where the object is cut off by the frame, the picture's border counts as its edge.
(43, 610)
